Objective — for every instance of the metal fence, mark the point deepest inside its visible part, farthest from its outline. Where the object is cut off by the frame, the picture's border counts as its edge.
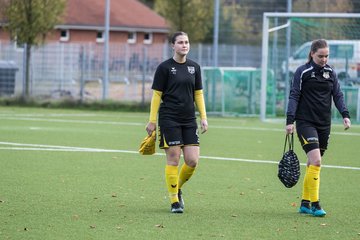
(76, 70)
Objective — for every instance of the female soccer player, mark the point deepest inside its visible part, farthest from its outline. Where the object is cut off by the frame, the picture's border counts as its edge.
(315, 86)
(177, 85)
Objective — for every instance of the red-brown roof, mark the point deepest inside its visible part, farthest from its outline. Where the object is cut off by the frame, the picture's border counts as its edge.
(123, 13)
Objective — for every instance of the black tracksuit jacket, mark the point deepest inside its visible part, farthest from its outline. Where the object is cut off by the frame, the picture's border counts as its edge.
(311, 95)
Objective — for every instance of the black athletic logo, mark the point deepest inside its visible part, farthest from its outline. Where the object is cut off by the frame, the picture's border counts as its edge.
(316, 178)
(173, 186)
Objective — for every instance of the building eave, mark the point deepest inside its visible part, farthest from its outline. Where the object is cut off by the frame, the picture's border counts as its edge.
(114, 29)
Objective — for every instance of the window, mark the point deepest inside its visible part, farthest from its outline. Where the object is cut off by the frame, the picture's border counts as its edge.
(345, 51)
(100, 37)
(64, 35)
(18, 46)
(148, 38)
(131, 37)
(303, 53)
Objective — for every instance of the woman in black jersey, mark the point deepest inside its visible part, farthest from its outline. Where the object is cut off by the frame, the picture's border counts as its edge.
(178, 85)
(315, 86)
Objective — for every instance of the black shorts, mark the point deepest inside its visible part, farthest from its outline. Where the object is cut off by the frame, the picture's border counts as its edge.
(312, 137)
(178, 136)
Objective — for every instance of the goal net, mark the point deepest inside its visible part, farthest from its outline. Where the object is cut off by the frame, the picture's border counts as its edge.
(234, 91)
(286, 43)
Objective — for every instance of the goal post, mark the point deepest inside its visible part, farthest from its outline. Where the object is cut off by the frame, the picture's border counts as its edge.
(285, 33)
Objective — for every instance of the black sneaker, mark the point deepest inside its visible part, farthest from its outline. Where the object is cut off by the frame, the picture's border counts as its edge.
(176, 208)
(181, 200)
(305, 207)
(316, 209)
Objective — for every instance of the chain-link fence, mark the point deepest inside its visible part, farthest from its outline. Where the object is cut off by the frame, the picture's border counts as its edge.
(77, 70)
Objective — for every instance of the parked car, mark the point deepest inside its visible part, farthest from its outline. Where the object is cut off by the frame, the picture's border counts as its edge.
(344, 58)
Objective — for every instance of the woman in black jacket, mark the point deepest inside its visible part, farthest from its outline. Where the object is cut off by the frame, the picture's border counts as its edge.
(315, 86)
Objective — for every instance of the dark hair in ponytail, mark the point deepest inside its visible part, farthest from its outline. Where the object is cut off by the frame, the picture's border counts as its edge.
(316, 45)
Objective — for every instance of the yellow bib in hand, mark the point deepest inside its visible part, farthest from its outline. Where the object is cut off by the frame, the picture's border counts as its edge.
(147, 146)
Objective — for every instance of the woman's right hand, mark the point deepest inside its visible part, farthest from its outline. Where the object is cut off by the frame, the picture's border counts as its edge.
(150, 127)
(289, 128)
(347, 123)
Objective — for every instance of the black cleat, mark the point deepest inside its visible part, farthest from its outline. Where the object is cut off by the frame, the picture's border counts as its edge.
(305, 207)
(316, 209)
(176, 208)
(181, 200)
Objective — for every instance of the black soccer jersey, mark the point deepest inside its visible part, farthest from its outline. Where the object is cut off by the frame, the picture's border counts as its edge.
(177, 82)
(311, 95)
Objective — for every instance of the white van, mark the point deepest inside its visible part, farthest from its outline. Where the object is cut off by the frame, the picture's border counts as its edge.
(344, 57)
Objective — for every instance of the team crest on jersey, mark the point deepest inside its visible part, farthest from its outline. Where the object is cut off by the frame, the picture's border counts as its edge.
(191, 69)
(173, 70)
(326, 75)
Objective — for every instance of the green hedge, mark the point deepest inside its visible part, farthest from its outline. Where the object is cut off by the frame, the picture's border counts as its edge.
(66, 103)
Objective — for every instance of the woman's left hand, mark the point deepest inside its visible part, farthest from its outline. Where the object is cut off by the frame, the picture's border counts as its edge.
(347, 123)
(150, 127)
(204, 125)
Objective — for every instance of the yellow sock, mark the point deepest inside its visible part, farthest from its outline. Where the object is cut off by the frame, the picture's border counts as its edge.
(305, 192)
(172, 178)
(313, 182)
(185, 174)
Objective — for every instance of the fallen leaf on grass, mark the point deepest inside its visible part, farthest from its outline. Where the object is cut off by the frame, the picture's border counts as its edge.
(92, 226)
(323, 224)
(234, 215)
(159, 226)
(293, 204)
(113, 195)
(221, 235)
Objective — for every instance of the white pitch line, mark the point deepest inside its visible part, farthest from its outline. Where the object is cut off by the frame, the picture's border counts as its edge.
(65, 149)
(273, 162)
(41, 147)
(348, 133)
(74, 121)
(48, 115)
(276, 130)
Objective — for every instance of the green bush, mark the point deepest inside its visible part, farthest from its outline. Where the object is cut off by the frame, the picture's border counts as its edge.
(67, 103)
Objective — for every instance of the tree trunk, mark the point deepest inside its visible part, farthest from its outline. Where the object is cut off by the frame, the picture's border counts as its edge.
(27, 70)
